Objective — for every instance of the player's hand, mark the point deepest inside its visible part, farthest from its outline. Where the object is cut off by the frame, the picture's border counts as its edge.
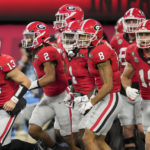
(9, 105)
(85, 107)
(132, 93)
(81, 99)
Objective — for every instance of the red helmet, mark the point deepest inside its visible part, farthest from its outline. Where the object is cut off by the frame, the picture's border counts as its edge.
(132, 14)
(90, 33)
(143, 41)
(35, 34)
(69, 37)
(119, 26)
(67, 13)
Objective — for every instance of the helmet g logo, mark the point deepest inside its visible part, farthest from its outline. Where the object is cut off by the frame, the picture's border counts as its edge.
(71, 8)
(97, 27)
(41, 26)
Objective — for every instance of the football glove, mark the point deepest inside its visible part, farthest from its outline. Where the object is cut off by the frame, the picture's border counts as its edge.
(132, 93)
(85, 107)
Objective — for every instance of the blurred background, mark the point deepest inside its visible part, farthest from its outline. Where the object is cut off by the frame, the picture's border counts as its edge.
(15, 14)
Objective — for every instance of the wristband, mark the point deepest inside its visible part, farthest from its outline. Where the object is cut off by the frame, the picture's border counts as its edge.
(19, 94)
(34, 85)
(15, 99)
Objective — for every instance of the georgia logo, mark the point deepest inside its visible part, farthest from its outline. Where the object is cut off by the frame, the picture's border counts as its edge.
(41, 26)
(71, 8)
(97, 27)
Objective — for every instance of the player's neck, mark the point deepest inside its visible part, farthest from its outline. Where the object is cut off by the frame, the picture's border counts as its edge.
(147, 52)
(131, 36)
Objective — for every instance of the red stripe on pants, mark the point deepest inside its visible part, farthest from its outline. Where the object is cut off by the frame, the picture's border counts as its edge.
(103, 113)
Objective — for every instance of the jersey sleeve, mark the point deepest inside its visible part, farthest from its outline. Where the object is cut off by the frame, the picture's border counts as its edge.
(9, 63)
(48, 54)
(129, 56)
(102, 53)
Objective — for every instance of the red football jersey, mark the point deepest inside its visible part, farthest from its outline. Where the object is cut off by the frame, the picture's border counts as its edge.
(7, 87)
(63, 54)
(48, 54)
(77, 67)
(119, 43)
(99, 54)
(141, 64)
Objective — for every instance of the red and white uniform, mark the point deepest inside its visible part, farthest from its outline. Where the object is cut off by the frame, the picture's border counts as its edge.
(77, 67)
(63, 54)
(50, 54)
(141, 64)
(52, 104)
(119, 43)
(100, 54)
(7, 63)
(100, 118)
(7, 89)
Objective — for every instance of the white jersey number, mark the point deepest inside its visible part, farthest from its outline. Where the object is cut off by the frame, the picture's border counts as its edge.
(11, 64)
(122, 56)
(46, 56)
(73, 77)
(141, 73)
(101, 55)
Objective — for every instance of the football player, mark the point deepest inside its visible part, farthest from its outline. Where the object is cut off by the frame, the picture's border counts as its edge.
(13, 86)
(51, 78)
(66, 14)
(137, 57)
(82, 81)
(131, 20)
(101, 110)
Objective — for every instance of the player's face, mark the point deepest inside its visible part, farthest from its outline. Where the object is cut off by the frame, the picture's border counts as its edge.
(69, 41)
(132, 22)
(69, 38)
(84, 40)
(60, 22)
(145, 38)
(29, 39)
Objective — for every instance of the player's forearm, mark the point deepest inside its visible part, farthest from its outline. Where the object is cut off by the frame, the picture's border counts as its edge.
(106, 88)
(46, 80)
(125, 81)
(26, 82)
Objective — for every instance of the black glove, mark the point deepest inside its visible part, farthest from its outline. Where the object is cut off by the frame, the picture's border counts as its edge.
(19, 106)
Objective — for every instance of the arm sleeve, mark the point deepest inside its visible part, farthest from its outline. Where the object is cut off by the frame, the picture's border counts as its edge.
(9, 64)
(47, 55)
(101, 54)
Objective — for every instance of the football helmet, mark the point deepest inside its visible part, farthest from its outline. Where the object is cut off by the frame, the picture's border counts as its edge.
(134, 14)
(69, 37)
(67, 13)
(143, 35)
(119, 26)
(35, 34)
(90, 33)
